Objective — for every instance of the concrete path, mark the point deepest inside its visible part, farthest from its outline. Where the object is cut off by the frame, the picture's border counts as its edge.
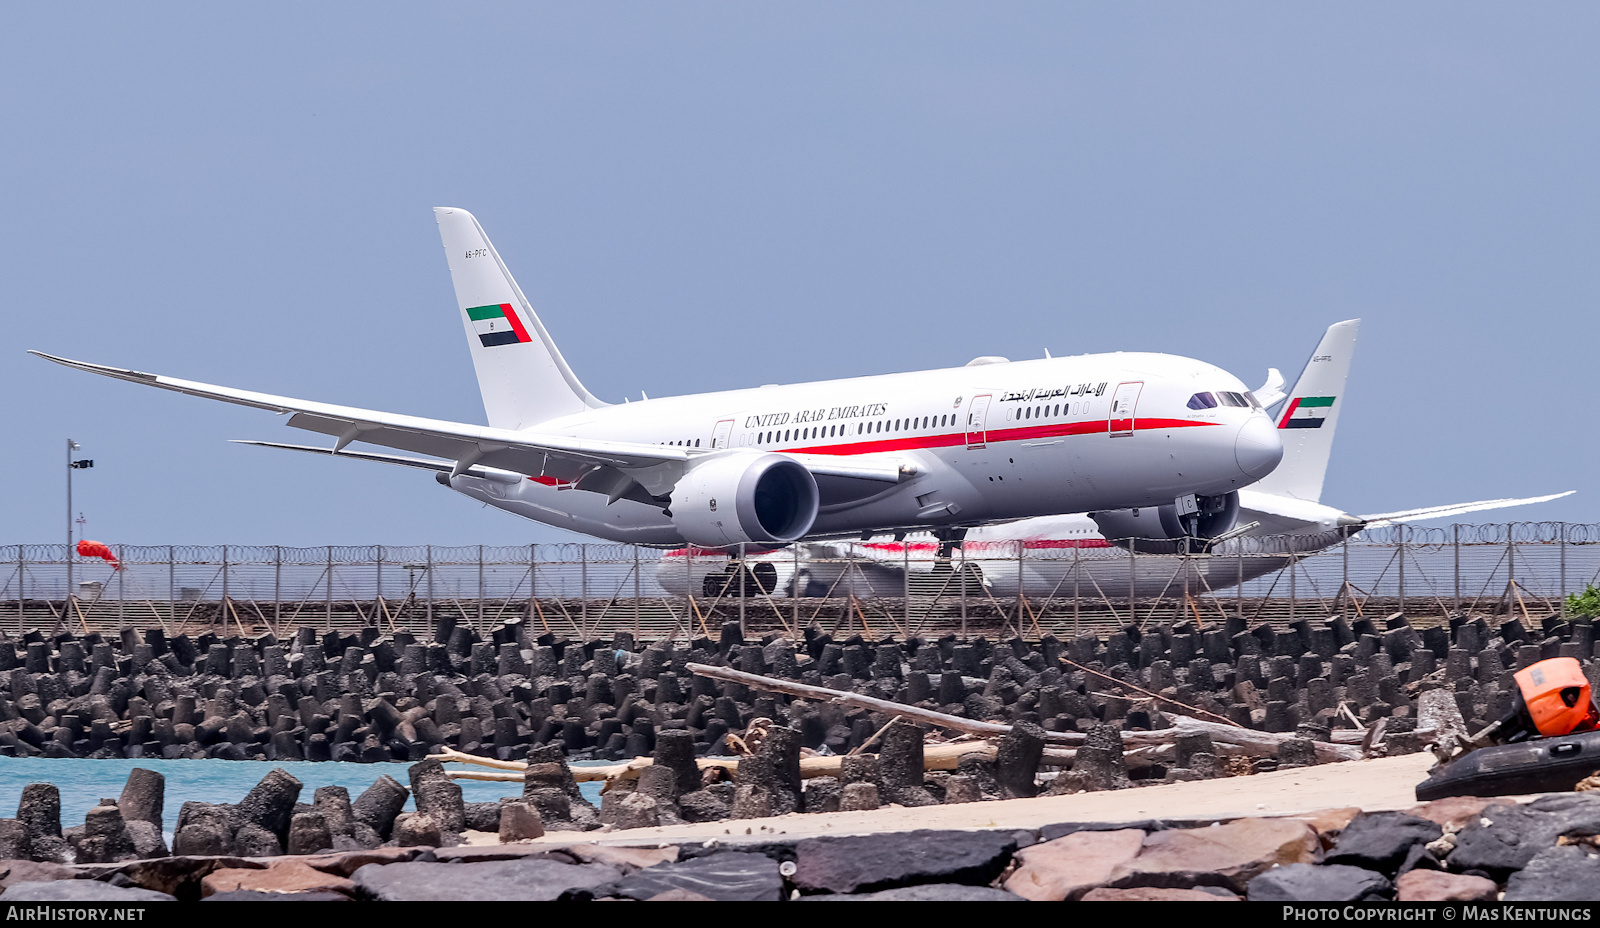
(1371, 785)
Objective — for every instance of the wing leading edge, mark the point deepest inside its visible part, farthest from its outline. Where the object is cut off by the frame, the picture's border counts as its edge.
(655, 467)
(524, 452)
(1440, 512)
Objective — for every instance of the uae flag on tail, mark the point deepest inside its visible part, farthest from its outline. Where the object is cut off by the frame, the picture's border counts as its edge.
(1306, 412)
(497, 325)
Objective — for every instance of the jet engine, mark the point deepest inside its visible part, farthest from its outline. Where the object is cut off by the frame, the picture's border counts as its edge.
(744, 498)
(1167, 529)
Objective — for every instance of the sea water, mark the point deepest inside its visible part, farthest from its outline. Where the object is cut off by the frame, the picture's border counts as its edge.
(83, 783)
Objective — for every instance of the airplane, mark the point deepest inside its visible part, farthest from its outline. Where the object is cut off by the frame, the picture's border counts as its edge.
(940, 450)
(1280, 518)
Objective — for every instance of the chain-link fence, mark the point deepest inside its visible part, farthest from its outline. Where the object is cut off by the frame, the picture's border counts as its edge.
(581, 591)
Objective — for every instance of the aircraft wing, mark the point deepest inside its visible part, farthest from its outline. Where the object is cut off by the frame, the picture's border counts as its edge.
(1439, 512)
(524, 452)
(656, 467)
(439, 467)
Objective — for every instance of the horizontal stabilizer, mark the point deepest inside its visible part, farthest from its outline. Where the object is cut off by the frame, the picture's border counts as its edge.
(1442, 512)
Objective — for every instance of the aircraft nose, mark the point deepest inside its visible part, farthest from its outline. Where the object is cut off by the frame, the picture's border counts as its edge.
(1257, 449)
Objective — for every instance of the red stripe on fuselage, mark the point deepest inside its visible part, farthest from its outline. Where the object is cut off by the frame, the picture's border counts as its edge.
(1025, 433)
(997, 544)
(1067, 543)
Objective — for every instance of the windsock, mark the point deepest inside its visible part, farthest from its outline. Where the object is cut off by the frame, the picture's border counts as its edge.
(87, 548)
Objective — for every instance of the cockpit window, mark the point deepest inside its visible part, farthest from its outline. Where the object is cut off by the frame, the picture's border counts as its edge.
(1233, 399)
(1202, 401)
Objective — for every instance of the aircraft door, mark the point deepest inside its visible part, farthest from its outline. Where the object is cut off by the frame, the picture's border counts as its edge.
(719, 437)
(1124, 403)
(977, 416)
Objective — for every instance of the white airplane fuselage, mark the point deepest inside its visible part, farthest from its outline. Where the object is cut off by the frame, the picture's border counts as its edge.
(1090, 551)
(989, 442)
(939, 450)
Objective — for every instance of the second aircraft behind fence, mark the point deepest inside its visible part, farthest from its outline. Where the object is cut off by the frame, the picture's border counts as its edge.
(941, 450)
(1281, 517)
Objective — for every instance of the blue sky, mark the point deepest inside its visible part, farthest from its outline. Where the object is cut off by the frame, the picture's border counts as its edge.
(700, 196)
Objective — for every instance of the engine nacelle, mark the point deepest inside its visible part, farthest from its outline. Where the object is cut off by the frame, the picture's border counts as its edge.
(744, 498)
(1162, 529)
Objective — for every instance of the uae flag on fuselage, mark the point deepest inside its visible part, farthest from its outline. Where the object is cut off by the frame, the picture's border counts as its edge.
(497, 325)
(1306, 412)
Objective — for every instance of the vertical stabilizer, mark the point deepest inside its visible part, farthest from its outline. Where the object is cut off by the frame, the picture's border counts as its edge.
(521, 374)
(1310, 414)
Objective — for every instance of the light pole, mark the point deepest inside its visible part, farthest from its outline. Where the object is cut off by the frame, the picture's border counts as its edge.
(71, 466)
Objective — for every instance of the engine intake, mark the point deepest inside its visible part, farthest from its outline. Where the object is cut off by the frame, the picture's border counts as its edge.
(1163, 530)
(745, 497)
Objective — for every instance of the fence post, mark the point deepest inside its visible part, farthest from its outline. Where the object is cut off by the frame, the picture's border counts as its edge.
(1294, 566)
(429, 611)
(1019, 587)
(1511, 570)
(904, 591)
(1344, 587)
(328, 606)
(796, 592)
(743, 595)
(1133, 573)
(1402, 528)
(377, 604)
(583, 580)
(277, 587)
(1455, 542)
(223, 612)
(636, 630)
(961, 582)
(1238, 587)
(172, 579)
(1562, 542)
(533, 585)
(122, 599)
(21, 600)
(1077, 553)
